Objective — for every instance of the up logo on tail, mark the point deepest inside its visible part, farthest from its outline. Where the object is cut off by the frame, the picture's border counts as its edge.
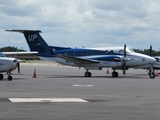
(32, 37)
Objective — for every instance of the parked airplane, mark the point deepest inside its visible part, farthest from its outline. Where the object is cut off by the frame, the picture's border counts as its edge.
(8, 65)
(117, 58)
(156, 65)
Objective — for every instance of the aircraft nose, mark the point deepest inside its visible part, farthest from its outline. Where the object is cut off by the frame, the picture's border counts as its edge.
(152, 60)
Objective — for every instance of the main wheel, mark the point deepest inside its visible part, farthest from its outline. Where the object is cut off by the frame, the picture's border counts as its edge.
(9, 78)
(88, 74)
(114, 74)
(1, 76)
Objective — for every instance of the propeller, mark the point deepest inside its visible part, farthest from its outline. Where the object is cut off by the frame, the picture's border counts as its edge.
(150, 51)
(124, 61)
(18, 65)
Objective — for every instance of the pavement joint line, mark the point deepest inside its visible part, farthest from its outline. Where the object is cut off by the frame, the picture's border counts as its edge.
(83, 85)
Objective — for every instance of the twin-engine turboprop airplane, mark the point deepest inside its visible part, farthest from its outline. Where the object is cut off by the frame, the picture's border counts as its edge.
(8, 65)
(117, 58)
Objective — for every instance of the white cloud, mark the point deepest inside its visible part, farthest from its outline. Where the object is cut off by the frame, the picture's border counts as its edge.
(87, 23)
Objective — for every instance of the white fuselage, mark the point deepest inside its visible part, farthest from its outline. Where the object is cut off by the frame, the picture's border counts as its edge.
(7, 64)
(132, 59)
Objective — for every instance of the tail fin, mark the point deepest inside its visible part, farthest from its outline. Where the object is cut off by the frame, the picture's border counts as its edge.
(34, 40)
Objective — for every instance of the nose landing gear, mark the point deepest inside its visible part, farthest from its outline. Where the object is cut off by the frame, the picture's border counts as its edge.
(152, 73)
(9, 76)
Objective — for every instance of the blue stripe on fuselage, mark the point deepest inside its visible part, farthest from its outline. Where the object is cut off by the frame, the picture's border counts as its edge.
(84, 52)
(91, 54)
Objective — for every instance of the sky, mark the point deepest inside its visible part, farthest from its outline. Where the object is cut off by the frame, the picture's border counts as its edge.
(77, 23)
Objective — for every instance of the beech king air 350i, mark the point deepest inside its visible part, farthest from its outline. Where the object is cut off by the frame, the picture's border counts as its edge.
(117, 58)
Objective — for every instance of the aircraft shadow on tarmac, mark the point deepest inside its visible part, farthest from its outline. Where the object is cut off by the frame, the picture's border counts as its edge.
(110, 77)
(129, 76)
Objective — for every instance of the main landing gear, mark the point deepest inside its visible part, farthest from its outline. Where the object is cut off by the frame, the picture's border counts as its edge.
(114, 74)
(88, 74)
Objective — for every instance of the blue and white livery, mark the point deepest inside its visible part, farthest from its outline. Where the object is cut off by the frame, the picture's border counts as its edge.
(117, 58)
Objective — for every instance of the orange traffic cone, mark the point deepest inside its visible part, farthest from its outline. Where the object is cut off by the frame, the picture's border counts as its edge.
(107, 71)
(157, 74)
(34, 74)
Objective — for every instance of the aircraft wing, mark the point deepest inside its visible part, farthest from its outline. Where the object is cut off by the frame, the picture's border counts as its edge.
(77, 60)
(13, 53)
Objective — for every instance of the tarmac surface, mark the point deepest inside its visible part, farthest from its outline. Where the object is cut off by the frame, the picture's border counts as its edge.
(63, 93)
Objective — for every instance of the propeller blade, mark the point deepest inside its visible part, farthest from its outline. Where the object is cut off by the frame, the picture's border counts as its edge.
(150, 51)
(124, 62)
(125, 50)
(18, 65)
(124, 68)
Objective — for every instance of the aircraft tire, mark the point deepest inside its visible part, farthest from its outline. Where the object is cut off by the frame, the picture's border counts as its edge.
(88, 74)
(114, 74)
(1, 76)
(152, 75)
(9, 78)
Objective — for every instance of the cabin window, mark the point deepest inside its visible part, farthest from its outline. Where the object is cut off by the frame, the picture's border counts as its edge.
(121, 51)
(143, 59)
(106, 52)
(111, 51)
(101, 52)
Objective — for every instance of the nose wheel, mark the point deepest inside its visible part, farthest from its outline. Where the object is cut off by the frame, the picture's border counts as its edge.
(151, 73)
(9, 76)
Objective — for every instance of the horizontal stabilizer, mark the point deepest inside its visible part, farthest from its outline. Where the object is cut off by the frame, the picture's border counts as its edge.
(22, 31)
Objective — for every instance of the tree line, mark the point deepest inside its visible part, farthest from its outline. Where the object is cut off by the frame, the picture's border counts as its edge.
(147, 52)
(11, 49)
(15, 49)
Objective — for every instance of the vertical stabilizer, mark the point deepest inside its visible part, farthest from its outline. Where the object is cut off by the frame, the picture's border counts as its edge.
(34, 40)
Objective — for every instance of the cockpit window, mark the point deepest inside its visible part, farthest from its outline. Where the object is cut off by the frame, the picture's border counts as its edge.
(131, 50)
(157, 59)
(2, 55)
(127, 51)
(122, 52)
